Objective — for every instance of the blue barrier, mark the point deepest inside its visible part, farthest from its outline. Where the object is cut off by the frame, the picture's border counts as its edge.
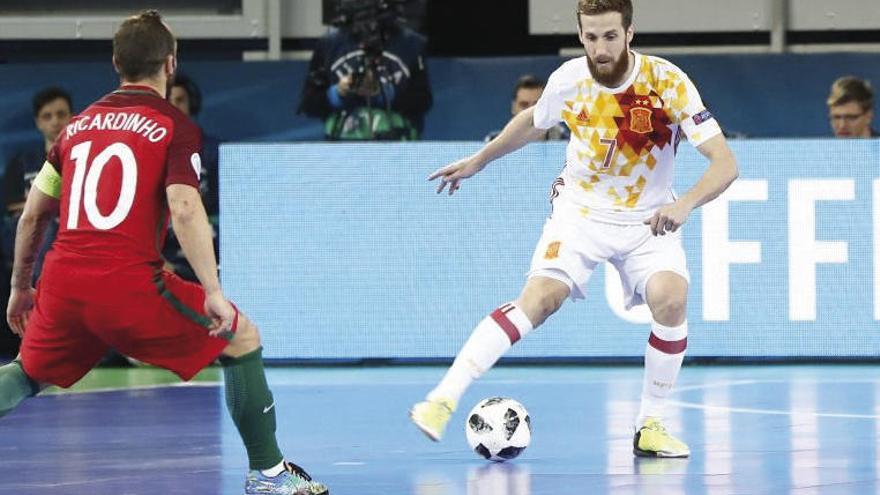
(344, 251)
(758, 95)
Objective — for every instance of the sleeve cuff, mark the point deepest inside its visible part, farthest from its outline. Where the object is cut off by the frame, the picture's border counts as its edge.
(333, 96)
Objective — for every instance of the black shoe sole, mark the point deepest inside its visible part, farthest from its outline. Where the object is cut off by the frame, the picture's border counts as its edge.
(656, 455)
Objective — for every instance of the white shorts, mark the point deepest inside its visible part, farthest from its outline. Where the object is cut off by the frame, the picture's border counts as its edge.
(572, 245)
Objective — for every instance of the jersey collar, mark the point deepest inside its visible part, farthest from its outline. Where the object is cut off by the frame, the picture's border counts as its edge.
(137, 89)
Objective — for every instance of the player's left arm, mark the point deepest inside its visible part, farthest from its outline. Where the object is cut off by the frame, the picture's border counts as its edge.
(703, 131)
(716, 179)
(40, 208)
(190, 221)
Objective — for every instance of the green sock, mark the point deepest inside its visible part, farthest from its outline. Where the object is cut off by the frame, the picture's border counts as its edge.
(15, 386)
(252, 408)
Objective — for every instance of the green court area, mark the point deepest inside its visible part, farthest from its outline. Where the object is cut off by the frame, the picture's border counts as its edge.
(137, 377)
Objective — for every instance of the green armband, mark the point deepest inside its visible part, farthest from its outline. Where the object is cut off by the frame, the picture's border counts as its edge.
(49, 181)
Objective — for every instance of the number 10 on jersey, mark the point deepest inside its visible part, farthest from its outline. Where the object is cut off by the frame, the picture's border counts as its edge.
(84, 189)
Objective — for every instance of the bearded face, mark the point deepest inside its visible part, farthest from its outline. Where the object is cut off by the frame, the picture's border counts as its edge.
(606, 44)
(608, 70)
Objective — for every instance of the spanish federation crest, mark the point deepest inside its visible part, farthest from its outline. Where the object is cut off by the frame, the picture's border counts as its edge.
(552, 250)
(640, 120)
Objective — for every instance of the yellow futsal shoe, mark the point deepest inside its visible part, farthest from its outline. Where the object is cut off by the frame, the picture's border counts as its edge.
(652, 440)
(431, 416)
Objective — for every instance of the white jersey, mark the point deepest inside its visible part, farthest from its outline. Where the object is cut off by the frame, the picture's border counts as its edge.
(620, 159)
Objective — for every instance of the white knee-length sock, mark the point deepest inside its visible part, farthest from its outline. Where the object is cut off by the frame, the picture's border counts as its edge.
(663, 356)
(488, 342)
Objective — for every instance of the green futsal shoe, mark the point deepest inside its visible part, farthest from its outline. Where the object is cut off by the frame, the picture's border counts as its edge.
(652, 440)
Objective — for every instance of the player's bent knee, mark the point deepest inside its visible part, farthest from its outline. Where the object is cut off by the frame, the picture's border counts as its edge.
(246, 340)
(671, 313)
(667, 298)
(542, 297)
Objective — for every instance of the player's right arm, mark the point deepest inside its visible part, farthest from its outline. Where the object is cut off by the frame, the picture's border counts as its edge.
(190, 223)
(516, 134)
(39, 209)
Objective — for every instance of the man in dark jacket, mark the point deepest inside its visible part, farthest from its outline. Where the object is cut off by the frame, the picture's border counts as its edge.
(367, 79)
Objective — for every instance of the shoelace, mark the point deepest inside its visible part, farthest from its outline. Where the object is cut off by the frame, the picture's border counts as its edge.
(296, 470)
(656, 426)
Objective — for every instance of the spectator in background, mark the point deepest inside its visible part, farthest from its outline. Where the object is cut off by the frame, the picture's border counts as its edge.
(53, 109)
(851, 108)
(186, 96)
(526, 93)
(367, 77)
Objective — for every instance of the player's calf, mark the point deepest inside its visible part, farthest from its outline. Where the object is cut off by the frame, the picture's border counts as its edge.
(492, 337)
(252, 407)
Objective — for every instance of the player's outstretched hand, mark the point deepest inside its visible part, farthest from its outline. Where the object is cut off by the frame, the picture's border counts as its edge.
(668, 218)
(221, 313)
(21, 302)
(455, 172)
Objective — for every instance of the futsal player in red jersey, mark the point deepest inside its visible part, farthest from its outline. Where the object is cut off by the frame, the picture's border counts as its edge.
(115, 176)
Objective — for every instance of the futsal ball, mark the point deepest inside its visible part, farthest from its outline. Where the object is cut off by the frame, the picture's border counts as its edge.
(498, 428)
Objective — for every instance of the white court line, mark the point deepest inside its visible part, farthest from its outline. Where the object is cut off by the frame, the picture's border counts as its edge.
(733, 383)
(776, 412)
(703, 386)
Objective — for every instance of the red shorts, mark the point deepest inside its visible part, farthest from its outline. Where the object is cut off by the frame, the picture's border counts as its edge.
(66, 336)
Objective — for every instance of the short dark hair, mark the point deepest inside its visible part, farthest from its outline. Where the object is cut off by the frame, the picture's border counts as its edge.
(596, 7)
(48, 95)
(528, 81)
(848, 89)
(141, 44)
(192, 91)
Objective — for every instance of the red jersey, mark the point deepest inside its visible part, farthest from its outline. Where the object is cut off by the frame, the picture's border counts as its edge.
(115, 159)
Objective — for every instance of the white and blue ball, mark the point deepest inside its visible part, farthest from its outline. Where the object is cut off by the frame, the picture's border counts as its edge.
(498, 428)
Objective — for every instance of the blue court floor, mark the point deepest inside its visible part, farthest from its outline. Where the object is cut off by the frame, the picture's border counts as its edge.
(752, 430)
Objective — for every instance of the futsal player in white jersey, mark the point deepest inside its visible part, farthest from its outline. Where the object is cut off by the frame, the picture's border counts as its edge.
(612, 202)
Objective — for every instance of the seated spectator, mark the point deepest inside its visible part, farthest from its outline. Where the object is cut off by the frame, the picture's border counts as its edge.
(851, 108)
(52, 109)
(367, 78)
(186, 96)
(526, 93)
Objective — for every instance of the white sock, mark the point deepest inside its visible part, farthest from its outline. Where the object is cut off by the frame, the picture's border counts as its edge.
(663, 356)
(274, 471)
(488, 342)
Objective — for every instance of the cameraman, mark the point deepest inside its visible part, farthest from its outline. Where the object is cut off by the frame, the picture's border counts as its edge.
(367, 77)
